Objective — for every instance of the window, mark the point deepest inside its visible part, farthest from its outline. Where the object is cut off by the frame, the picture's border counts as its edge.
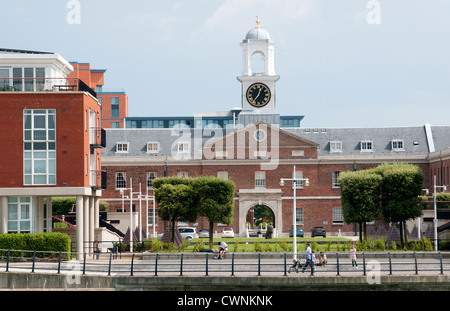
(182, 174)
(121, 182)
(122, 147)
(298, 179)
(299, 215)
(150, 177)
(260, 179)
(366, 145)
(114, 107)
(397, 145)
(222, 174)
(334, 179)
(153, 147)
(150, 213)
(335, 146)
(40, 147)
(19, 214)
(184, 147)
(338, 217)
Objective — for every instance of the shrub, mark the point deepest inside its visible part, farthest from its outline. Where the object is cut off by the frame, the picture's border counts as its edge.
(39, 242)
(381, 245)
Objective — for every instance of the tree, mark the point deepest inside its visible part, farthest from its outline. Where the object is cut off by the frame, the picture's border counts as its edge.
(401, 190)
(176, 202)
(360, 197)
(214, 200)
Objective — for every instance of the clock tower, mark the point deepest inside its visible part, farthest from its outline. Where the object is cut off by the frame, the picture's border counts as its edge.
(258, 78)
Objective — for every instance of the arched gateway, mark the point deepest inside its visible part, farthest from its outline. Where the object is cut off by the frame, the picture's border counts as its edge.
(248, 198)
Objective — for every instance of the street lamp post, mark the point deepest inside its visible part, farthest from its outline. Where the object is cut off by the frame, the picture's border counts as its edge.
(435, 220)
(294, 217)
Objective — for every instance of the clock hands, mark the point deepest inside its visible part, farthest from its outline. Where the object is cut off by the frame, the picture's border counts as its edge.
(254, 101)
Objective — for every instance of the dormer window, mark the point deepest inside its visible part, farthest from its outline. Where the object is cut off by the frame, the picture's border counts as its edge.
(153, 147)
(366, 146)
(122, 147)
(398, 145)
(184, 147)
(336, 146)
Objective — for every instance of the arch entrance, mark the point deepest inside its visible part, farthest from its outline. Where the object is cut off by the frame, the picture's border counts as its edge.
(266, 204)
(259, 218)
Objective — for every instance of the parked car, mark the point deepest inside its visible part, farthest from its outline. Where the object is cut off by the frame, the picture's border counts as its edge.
(204, 233)
(188, 233)
(299, 232)
(318, 231)
(227, 232)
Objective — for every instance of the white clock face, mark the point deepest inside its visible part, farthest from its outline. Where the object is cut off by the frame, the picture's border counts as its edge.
(260, 135)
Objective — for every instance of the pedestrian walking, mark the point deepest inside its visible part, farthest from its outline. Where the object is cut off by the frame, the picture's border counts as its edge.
(353, 257)
(309, 259)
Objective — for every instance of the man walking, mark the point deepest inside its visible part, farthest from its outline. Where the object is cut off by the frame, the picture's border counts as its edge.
(309, 261)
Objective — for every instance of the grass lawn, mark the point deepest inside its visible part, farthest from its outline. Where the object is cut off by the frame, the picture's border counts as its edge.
(273, 245)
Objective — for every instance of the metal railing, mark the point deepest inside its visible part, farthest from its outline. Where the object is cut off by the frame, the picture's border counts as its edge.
(42, 84)
(233, 264)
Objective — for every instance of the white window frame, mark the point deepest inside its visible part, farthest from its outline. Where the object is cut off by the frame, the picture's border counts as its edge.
(124, 177)
(299, 216)
(184, 147)
(39, 154)
(260, 179)
(222, 174)
(299, 179)
(122, 147)
(153, 147)
(149, 174)
(21, 202)
(334, 178)
(338, 216)
(183, 174)
(336, 146)
(398, 145)
(366, 145)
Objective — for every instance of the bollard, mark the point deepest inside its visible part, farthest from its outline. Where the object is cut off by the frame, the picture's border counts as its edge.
(440, 258)
(415, 263)
(109, 266)
(59, 263)
(181, 265)
(337, 263)
(285, 268)
(156, 265)
(7, 260)
(364, 264)
(207, 264)
(259, 264)
(232, 264)
(390, 264)
(132, 262)
(84, 264)
(34, 260)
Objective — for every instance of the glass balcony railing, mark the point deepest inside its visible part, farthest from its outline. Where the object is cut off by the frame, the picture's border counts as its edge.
(44, 85)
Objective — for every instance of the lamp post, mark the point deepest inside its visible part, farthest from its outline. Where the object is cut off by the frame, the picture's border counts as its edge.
(435, 220)
(294, 217)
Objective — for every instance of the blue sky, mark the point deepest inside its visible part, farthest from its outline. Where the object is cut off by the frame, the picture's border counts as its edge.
(177, 57)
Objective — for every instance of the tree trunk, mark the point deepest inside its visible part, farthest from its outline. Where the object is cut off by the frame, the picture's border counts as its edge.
(211, 235)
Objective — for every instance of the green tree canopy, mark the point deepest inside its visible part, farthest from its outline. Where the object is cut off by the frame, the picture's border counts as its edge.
(361, 197)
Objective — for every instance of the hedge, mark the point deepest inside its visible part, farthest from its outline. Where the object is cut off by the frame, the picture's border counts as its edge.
(54, 242)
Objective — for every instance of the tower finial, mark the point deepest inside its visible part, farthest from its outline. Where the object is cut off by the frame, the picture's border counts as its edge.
(257, 22)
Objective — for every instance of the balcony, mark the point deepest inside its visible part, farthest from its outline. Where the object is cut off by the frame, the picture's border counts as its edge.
(97, 137)
(98, 180)
(44, 85)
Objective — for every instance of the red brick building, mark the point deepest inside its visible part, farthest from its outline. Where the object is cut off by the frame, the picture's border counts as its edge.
(255, 153)
(51, 139)
(114, 103)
